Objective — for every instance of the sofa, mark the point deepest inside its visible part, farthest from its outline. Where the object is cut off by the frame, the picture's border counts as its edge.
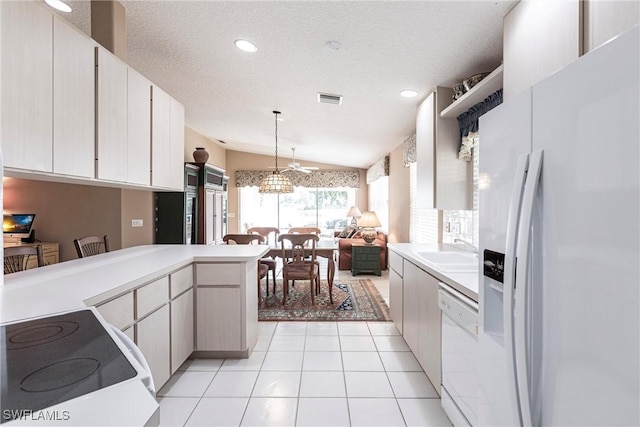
(344, 250)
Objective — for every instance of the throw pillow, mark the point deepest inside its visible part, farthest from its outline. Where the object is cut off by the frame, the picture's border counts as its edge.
(347, 232)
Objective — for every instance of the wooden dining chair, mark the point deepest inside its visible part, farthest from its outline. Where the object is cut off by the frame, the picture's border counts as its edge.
(92, 245)
(299, 263)
(305, 230)
(251, 239)
(271, 238)
(17, 257)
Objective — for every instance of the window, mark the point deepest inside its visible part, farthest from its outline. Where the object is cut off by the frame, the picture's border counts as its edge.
(325, 208)
(379, 200)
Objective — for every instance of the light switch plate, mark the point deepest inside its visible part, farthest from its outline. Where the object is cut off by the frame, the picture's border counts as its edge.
(137, 223)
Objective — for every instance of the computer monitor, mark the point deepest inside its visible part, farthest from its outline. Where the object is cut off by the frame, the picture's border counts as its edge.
(18, 225)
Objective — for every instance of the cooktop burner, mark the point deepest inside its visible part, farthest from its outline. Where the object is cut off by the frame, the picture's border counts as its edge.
(50, 360)
(34, 335)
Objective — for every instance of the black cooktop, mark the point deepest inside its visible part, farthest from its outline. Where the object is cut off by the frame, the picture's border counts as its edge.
(50, 360)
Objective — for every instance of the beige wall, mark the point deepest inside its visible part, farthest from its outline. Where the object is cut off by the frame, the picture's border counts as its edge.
(237, 160)
(192, 139)
(66, 211)
(137, 204)
(398, 198)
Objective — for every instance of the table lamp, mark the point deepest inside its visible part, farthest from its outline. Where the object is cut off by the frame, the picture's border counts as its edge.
(354, 212)
(368, 221)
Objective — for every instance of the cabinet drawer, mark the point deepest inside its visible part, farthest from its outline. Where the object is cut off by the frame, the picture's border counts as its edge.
(118, 312)
(181, 280)
(151, 296)
(219, 274)
(395, 261)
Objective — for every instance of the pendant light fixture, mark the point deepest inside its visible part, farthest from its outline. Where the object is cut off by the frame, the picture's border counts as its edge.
(276, 182)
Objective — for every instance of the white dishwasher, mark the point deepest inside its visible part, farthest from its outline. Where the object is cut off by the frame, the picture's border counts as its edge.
(459, 355)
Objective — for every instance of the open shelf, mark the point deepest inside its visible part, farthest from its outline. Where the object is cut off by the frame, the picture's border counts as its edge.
(478, 93)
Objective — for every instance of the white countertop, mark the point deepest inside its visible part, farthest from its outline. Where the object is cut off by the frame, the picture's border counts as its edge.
(75, 284)
(464, 282)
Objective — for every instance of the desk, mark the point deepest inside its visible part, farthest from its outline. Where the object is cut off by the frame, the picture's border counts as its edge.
(50, 251)
(324, 249)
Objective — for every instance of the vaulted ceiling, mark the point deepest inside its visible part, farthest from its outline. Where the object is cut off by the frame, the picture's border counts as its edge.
(187, 48)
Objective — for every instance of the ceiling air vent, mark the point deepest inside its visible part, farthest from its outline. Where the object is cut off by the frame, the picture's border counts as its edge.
(328, 98)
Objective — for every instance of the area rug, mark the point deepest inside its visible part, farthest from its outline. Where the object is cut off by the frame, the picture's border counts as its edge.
(353, 299)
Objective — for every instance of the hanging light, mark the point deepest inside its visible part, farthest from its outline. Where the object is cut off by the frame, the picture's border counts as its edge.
(276, 182)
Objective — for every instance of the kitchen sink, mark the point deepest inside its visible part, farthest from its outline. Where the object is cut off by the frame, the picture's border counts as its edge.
(451, 261)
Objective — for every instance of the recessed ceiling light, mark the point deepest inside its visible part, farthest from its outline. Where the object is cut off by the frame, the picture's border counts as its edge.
(59, 5)
(245, 45)
(409, 93)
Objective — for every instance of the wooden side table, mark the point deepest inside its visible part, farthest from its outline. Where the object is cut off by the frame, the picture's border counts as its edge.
(365, 258)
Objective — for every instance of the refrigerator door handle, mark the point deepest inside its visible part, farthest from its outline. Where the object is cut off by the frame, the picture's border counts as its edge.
(510, 276)
(523, 255)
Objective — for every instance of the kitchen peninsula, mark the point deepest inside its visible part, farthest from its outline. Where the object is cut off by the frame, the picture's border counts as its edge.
(173, 300)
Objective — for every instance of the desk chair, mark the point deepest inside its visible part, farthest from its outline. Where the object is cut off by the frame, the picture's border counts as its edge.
(267, 233)
(250, 239)
(92, 245)
(16, 257)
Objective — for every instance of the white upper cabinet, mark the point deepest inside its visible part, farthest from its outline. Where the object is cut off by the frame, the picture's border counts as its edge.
(540, 38)
(111, 117)
(27, 86)
(73, 101)
(444, 181)
(138, 128)
(605, 19)
(177, 145)
(167, 146)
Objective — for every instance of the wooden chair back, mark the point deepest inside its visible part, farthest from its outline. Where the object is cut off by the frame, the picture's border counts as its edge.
(298, 249)
(92, 245)
(305, 230)
(243, 239)
(267, 233)
(16, 257)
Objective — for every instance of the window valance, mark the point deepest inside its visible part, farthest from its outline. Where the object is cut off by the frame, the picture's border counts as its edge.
(316, 179)
(378, 170)
(409, 150)
(468, 123)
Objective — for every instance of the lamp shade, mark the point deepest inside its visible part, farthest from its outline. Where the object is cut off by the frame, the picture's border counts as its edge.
(354, 211)
(369, 219)
(275, 183)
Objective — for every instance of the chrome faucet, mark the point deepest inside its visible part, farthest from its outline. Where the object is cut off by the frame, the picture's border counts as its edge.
(474, 248)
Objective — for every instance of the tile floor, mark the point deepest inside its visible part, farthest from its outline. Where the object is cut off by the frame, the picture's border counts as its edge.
(308, 374)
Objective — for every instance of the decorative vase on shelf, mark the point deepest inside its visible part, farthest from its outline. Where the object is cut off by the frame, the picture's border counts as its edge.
(200, 155)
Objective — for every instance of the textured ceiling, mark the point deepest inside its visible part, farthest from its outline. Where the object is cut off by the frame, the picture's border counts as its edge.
(186, 47)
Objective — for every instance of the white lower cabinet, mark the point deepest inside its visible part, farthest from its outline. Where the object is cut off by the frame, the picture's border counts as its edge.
(396, 302)
(227, 307)
(153, 339)
(181, 329)
(421, 328)
(219, 326)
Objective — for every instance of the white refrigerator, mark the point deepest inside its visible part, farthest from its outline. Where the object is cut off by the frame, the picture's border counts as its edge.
(559, 294)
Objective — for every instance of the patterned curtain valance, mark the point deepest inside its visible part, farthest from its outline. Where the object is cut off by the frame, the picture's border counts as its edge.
(409, 150)
(468, 123)
(378, 170)
(316, 179)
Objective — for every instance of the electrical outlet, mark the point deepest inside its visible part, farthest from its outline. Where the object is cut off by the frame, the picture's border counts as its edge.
(137, 223)
(231, 214)
(455, 227)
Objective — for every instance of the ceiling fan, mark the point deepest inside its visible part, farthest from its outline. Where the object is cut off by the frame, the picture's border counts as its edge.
(295, 166)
